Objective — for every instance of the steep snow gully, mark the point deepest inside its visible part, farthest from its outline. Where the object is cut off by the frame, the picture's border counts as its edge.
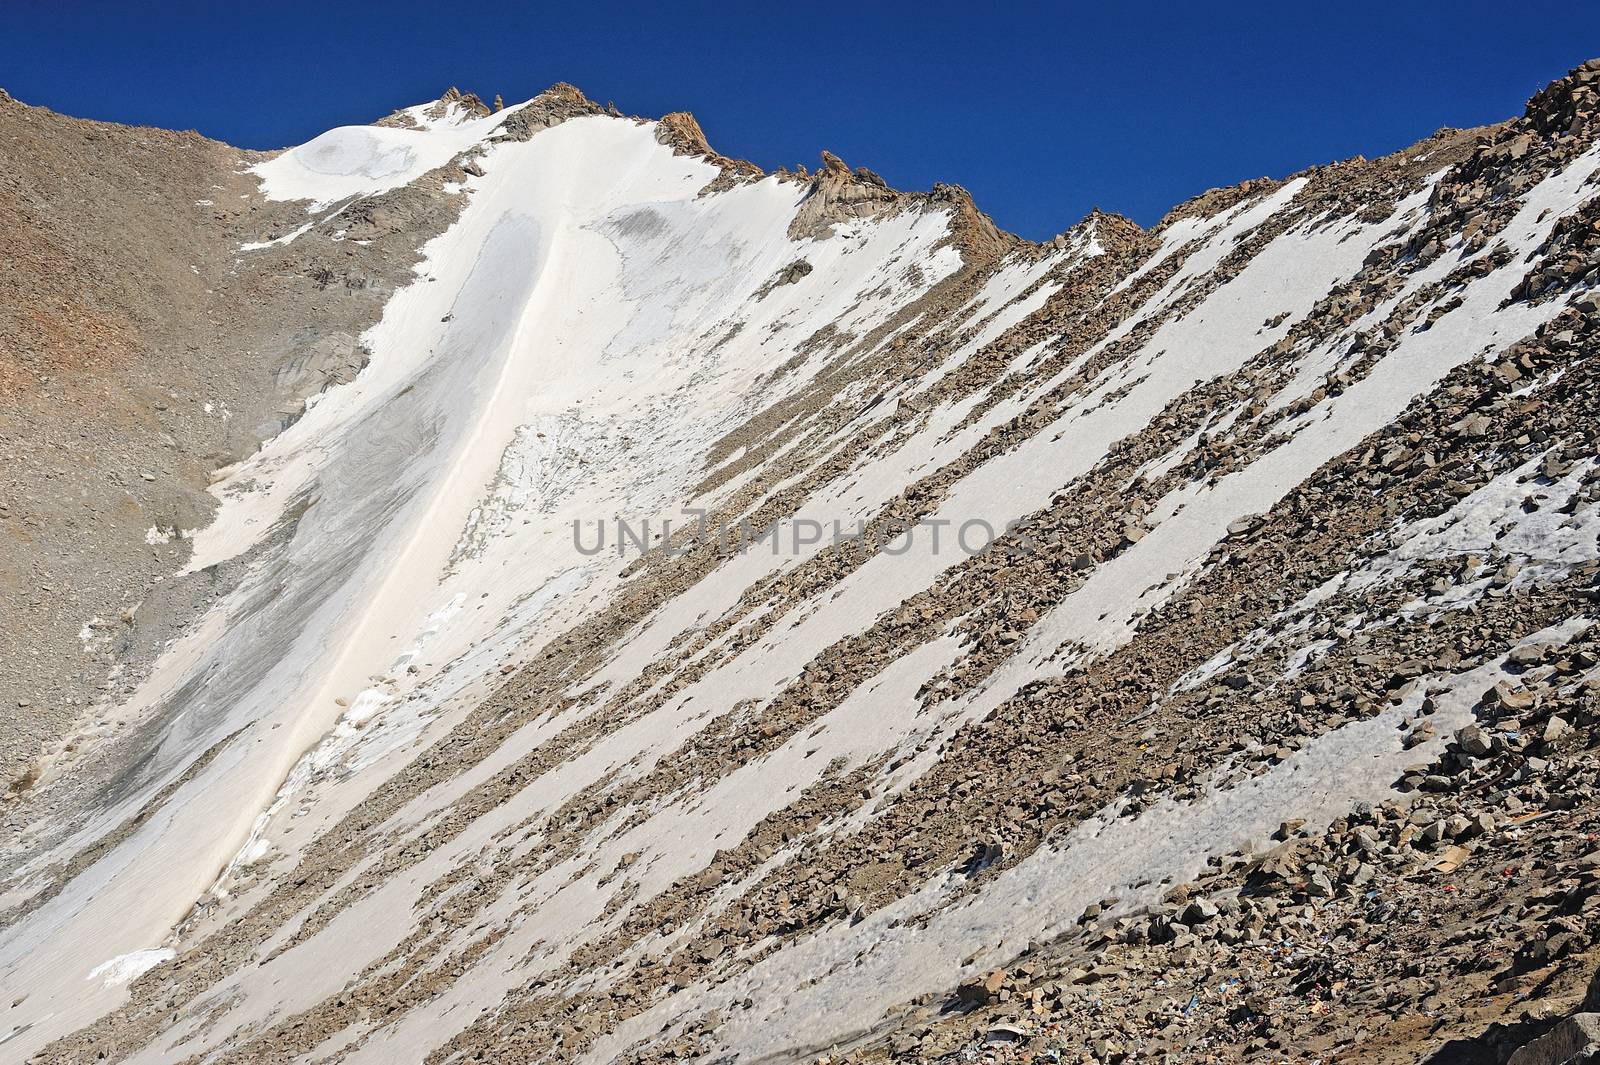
(437, 773)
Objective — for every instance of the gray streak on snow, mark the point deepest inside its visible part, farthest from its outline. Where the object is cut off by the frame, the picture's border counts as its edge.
(292, 615)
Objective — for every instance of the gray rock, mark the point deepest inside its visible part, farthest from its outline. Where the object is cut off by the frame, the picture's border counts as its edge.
(1508, 697)
(1367, 841)
(1578, 1034)
(1471, 739)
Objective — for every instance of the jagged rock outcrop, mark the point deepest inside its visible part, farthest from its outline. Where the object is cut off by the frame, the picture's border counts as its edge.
(555, 105)
(682, 133)
(838, 194)
(1568, 106)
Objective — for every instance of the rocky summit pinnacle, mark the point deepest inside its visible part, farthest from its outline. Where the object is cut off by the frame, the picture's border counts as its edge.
(509, 583)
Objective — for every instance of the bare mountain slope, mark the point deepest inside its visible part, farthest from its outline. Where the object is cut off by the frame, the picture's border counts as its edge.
(146, 339)
(1168, 645)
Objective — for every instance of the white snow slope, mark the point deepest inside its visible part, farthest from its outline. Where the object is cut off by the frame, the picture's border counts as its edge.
(571, 350)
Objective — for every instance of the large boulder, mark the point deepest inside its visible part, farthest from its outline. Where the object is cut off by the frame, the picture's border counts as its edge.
(1578, 1034)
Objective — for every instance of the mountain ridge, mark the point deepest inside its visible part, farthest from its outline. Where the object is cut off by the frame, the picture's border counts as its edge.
(1278, 650)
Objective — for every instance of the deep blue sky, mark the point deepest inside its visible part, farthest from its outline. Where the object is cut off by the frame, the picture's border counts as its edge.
(1042, 111)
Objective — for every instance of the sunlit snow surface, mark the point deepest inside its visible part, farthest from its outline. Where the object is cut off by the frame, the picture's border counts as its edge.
(581, 287)
(121, 970)
(363, 160)
(570, 349)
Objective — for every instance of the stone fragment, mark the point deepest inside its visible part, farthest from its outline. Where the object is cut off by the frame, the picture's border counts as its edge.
(1508, 697)
(982, 989)
(1470, 738)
